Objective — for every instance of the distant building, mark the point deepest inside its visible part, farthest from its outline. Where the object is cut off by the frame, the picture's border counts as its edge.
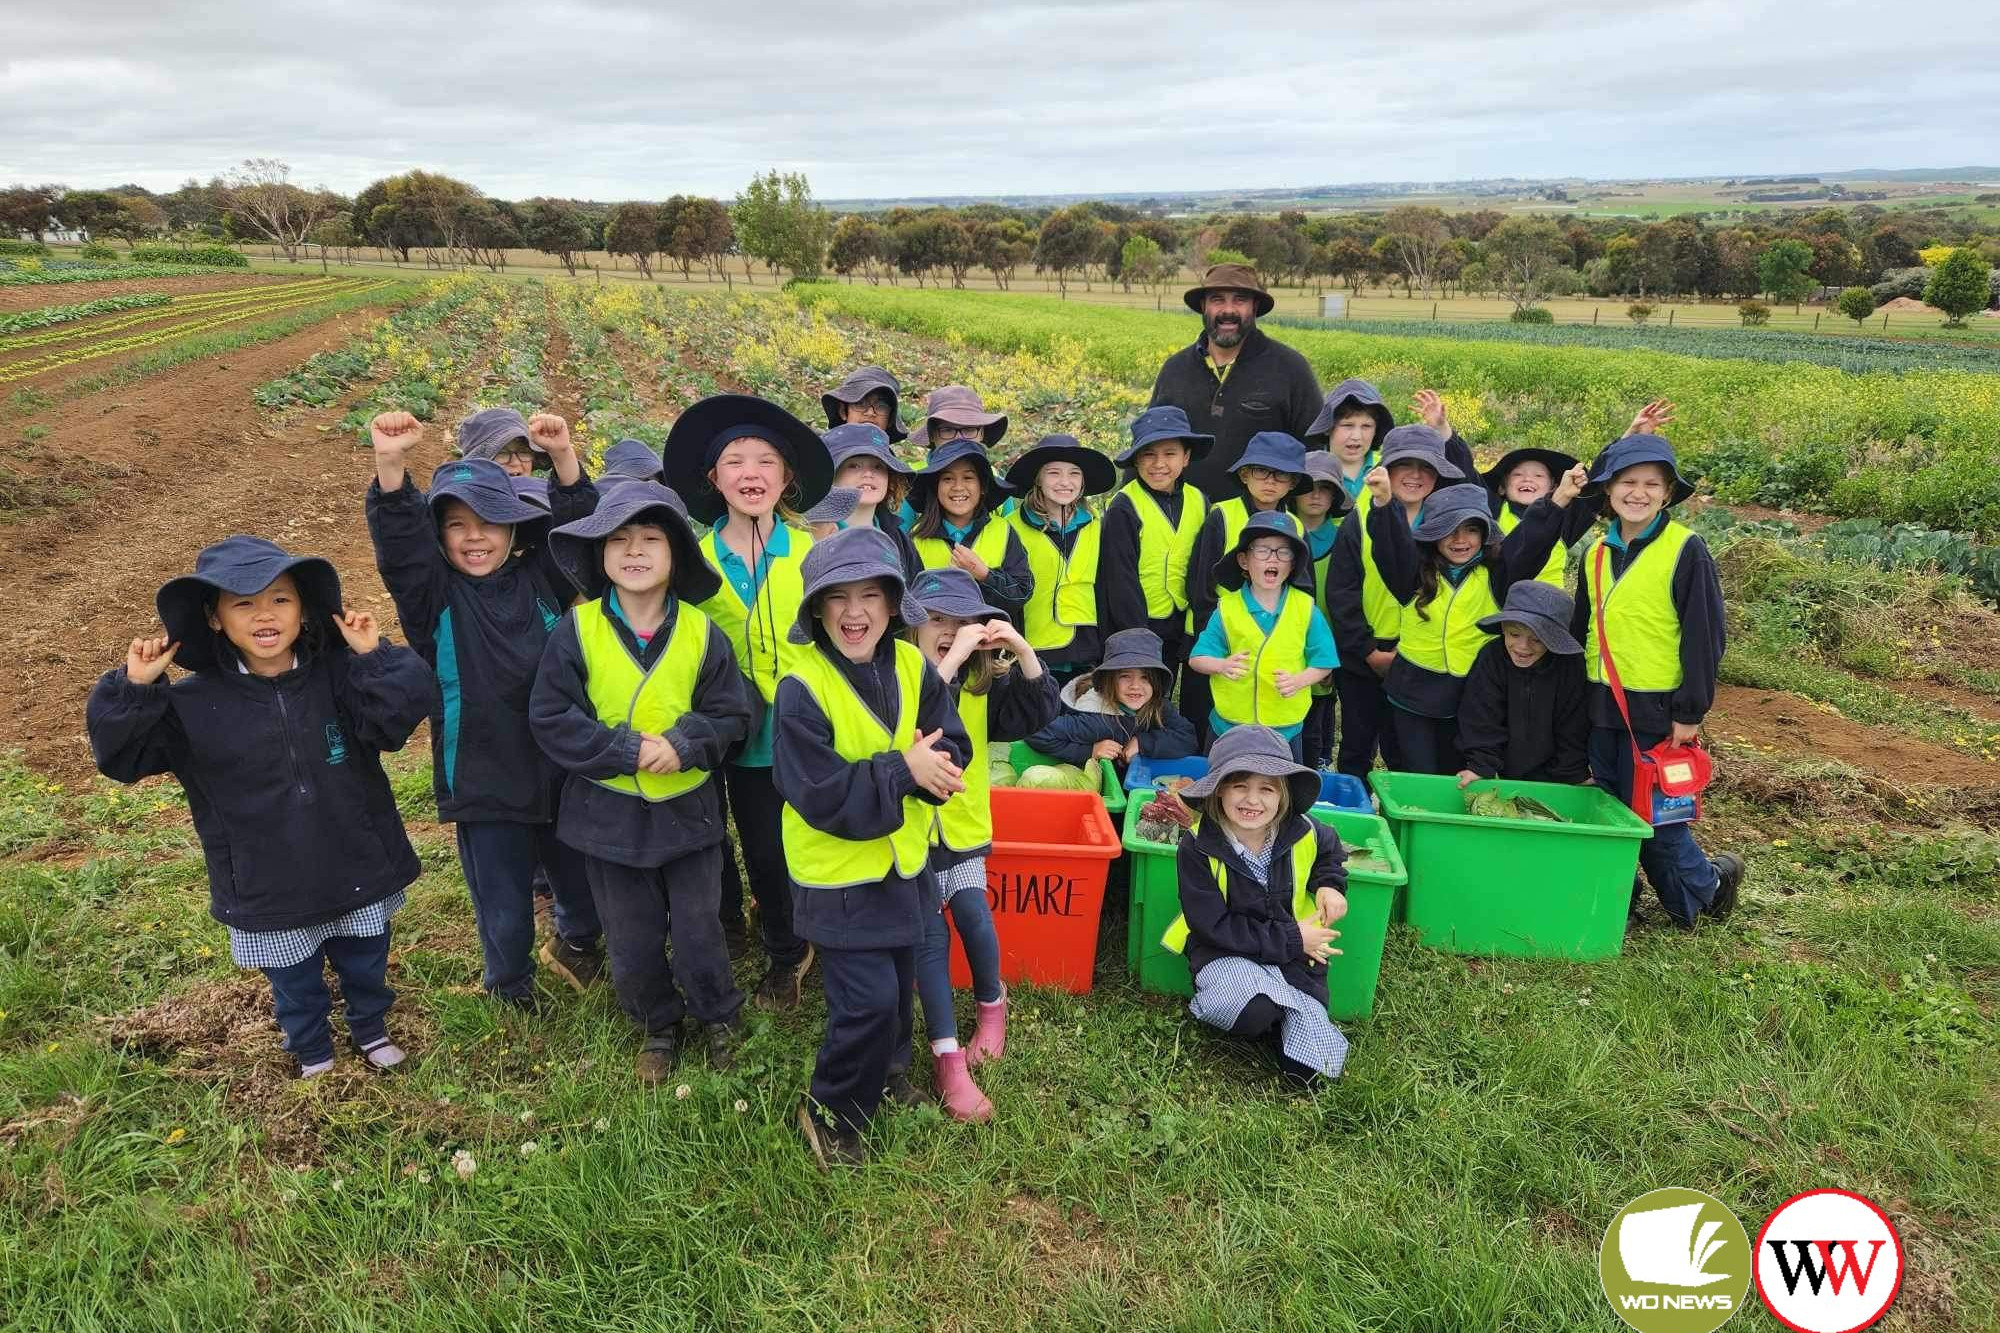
(56, 233)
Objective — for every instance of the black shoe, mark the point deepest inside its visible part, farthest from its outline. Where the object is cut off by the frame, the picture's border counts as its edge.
(831, 1145)
(1729, 870)
(656, 1059)
(901, 1091)
(722, 1040)
(736, 938)
(528, 1002)
(782, 985)
(579, 967)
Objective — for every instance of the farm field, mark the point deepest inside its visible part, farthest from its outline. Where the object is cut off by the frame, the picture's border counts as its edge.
(158, 1167)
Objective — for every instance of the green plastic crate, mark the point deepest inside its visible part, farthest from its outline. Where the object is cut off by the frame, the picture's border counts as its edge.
(1020, 755)
(1351, 976)
(1525, 888)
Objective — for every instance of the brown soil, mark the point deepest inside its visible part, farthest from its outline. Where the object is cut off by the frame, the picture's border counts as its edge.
(1806, 523)
(1909, 303)
(35, 296)
(1976, 702)
(1798, 728)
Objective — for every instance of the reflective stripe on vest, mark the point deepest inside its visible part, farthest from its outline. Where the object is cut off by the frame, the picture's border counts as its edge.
(965, 822)
(821, 860)
(763, 653)
(1645, 624)
(1303, 903)
(1321, 568)
(1555, 567)
(1378, 604)
(1164, 547)
(989, 544)
(1446, 636)
(648, 700)
(1065, 588)
(1255, 697)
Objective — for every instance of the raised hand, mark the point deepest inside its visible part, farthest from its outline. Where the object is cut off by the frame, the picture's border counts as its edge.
(1431, 408)
(148, 659)
(1571, 486)
(1652, 417)
(360, 631)
(550, 433)
(932, 767)
(1377, 482)
(969, 640)
(393, 435)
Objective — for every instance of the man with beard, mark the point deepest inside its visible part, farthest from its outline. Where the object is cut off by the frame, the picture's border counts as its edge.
(1235, 381)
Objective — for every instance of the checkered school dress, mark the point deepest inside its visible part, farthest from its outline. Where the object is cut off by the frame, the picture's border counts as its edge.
(1229, 983)
(287, 948)
(965, 875)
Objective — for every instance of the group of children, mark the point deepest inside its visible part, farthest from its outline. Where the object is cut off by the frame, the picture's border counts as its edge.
(797, 634)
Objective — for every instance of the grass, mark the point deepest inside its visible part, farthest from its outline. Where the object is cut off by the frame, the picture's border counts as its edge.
(162, 1171)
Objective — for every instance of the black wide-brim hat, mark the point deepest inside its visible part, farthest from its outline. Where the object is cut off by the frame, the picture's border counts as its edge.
(239, 566)
(1257, 751)
(851, 556)
(701, 433)
(1273, 523)
(1543, 608)
(866, 380)
(1098, 474)
(1556, 462)
(1630, 452)
(924, 484)
(578, 547)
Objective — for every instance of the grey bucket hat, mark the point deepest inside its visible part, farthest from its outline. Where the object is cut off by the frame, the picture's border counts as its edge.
(849, 557)
(577, 547)
(957, 405)
(1543, 608)
(484, 487)
(1323, 469)
(1351, 393)
(486, 432)
(1422, 444)
(838, 506)
(858, 439)
(1274, 523)
(632, 458)
(1130, 648)
(1259, 751)
(1452, 505)
(952, 592)
(866, 380)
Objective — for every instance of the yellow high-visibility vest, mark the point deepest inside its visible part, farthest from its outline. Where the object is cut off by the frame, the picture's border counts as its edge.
(1645, 629)
(1255, 697)
(1304, 851)
(757, 633)
(1445, 636)
(989, 545)
(1064, 596)
(1164, 548)
(1555, 567)
(649, 699)
(965, 822)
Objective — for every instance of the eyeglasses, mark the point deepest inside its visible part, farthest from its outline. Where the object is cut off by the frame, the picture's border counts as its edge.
(946, 432)
(876, 411)
(1256, 473)
(1276, 553)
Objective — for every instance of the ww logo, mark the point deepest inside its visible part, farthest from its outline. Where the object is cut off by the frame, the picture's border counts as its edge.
(1828, 1261)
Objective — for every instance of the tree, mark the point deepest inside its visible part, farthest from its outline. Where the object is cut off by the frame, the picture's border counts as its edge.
(634, 229)
(487, 231)
(262, 196)
(337, 232)
(1417, 236)
(1004, 245)
(1350, 259)
(1857, 303)
(1785, 270)
(28, 208)
(1836, 260)
(1142, 261)
(1960, 285)
(859, 245)
(1068, 241)
(778, 222)
(554, 227)
(1888, 248)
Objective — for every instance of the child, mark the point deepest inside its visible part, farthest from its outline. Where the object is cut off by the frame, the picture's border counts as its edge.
(500, 435)
(863, 460)
(479, 611)
(1261, 885)
(1524, 712)
(1318, 508)
(275, 735)
(747, 465)
(1664, 625)
(868, 744)
(1448, 573)
(638, 701)
(1150, 528)
(1272, 468)
(1523, 476)
(1121, 710)
(1063, 541)
(1365, 615)
(962, 637)
(1268, 643)
(955, 496)
(1351, 426)
(870, 396)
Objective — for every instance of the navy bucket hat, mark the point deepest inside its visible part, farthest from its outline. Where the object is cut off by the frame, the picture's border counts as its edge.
(702, 432)
(860, 440)
(1630, 452)
(1347, 394)
(1450, 506)
(1164, 423)
(924, 484)
(486, 432)
(1420, 444)
(1276, 450)
(485, 488)
(578, 547)
(851, 556)
(238, 566)
(1323, 469)
(867, 380)
(1274, 523)
(1098, 475)
(632, 458)
(534, 490)
(1543, 608)
(952, 592)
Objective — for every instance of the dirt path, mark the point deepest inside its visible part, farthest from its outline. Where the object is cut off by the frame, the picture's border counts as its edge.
(1797, 727)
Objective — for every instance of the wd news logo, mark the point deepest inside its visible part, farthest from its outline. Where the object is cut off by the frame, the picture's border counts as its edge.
(1675, 1261)
(1828, 1261)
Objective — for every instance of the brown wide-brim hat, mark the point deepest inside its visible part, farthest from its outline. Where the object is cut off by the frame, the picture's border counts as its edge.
(1259, 751)
(957, 405)
(1231, 278)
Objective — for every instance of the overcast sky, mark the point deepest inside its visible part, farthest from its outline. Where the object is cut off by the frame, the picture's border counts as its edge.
(604, 99)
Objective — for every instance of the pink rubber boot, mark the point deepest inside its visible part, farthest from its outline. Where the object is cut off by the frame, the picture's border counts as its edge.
(960, 1096)
(989, 1036)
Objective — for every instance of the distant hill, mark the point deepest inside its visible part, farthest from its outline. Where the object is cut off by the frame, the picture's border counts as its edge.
(1917, 174)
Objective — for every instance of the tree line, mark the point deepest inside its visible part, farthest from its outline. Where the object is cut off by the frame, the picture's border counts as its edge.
(775, 223)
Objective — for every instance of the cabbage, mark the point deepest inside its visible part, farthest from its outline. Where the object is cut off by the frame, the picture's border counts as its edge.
(1056, 777)
(999, 773)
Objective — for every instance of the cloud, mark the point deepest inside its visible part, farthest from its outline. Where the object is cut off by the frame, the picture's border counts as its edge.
(605, 99)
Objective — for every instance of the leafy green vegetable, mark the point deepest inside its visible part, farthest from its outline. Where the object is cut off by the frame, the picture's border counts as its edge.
(1056, 777)
(1491, 804)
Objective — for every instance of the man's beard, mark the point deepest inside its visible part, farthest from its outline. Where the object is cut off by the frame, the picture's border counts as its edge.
(1230, 333)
